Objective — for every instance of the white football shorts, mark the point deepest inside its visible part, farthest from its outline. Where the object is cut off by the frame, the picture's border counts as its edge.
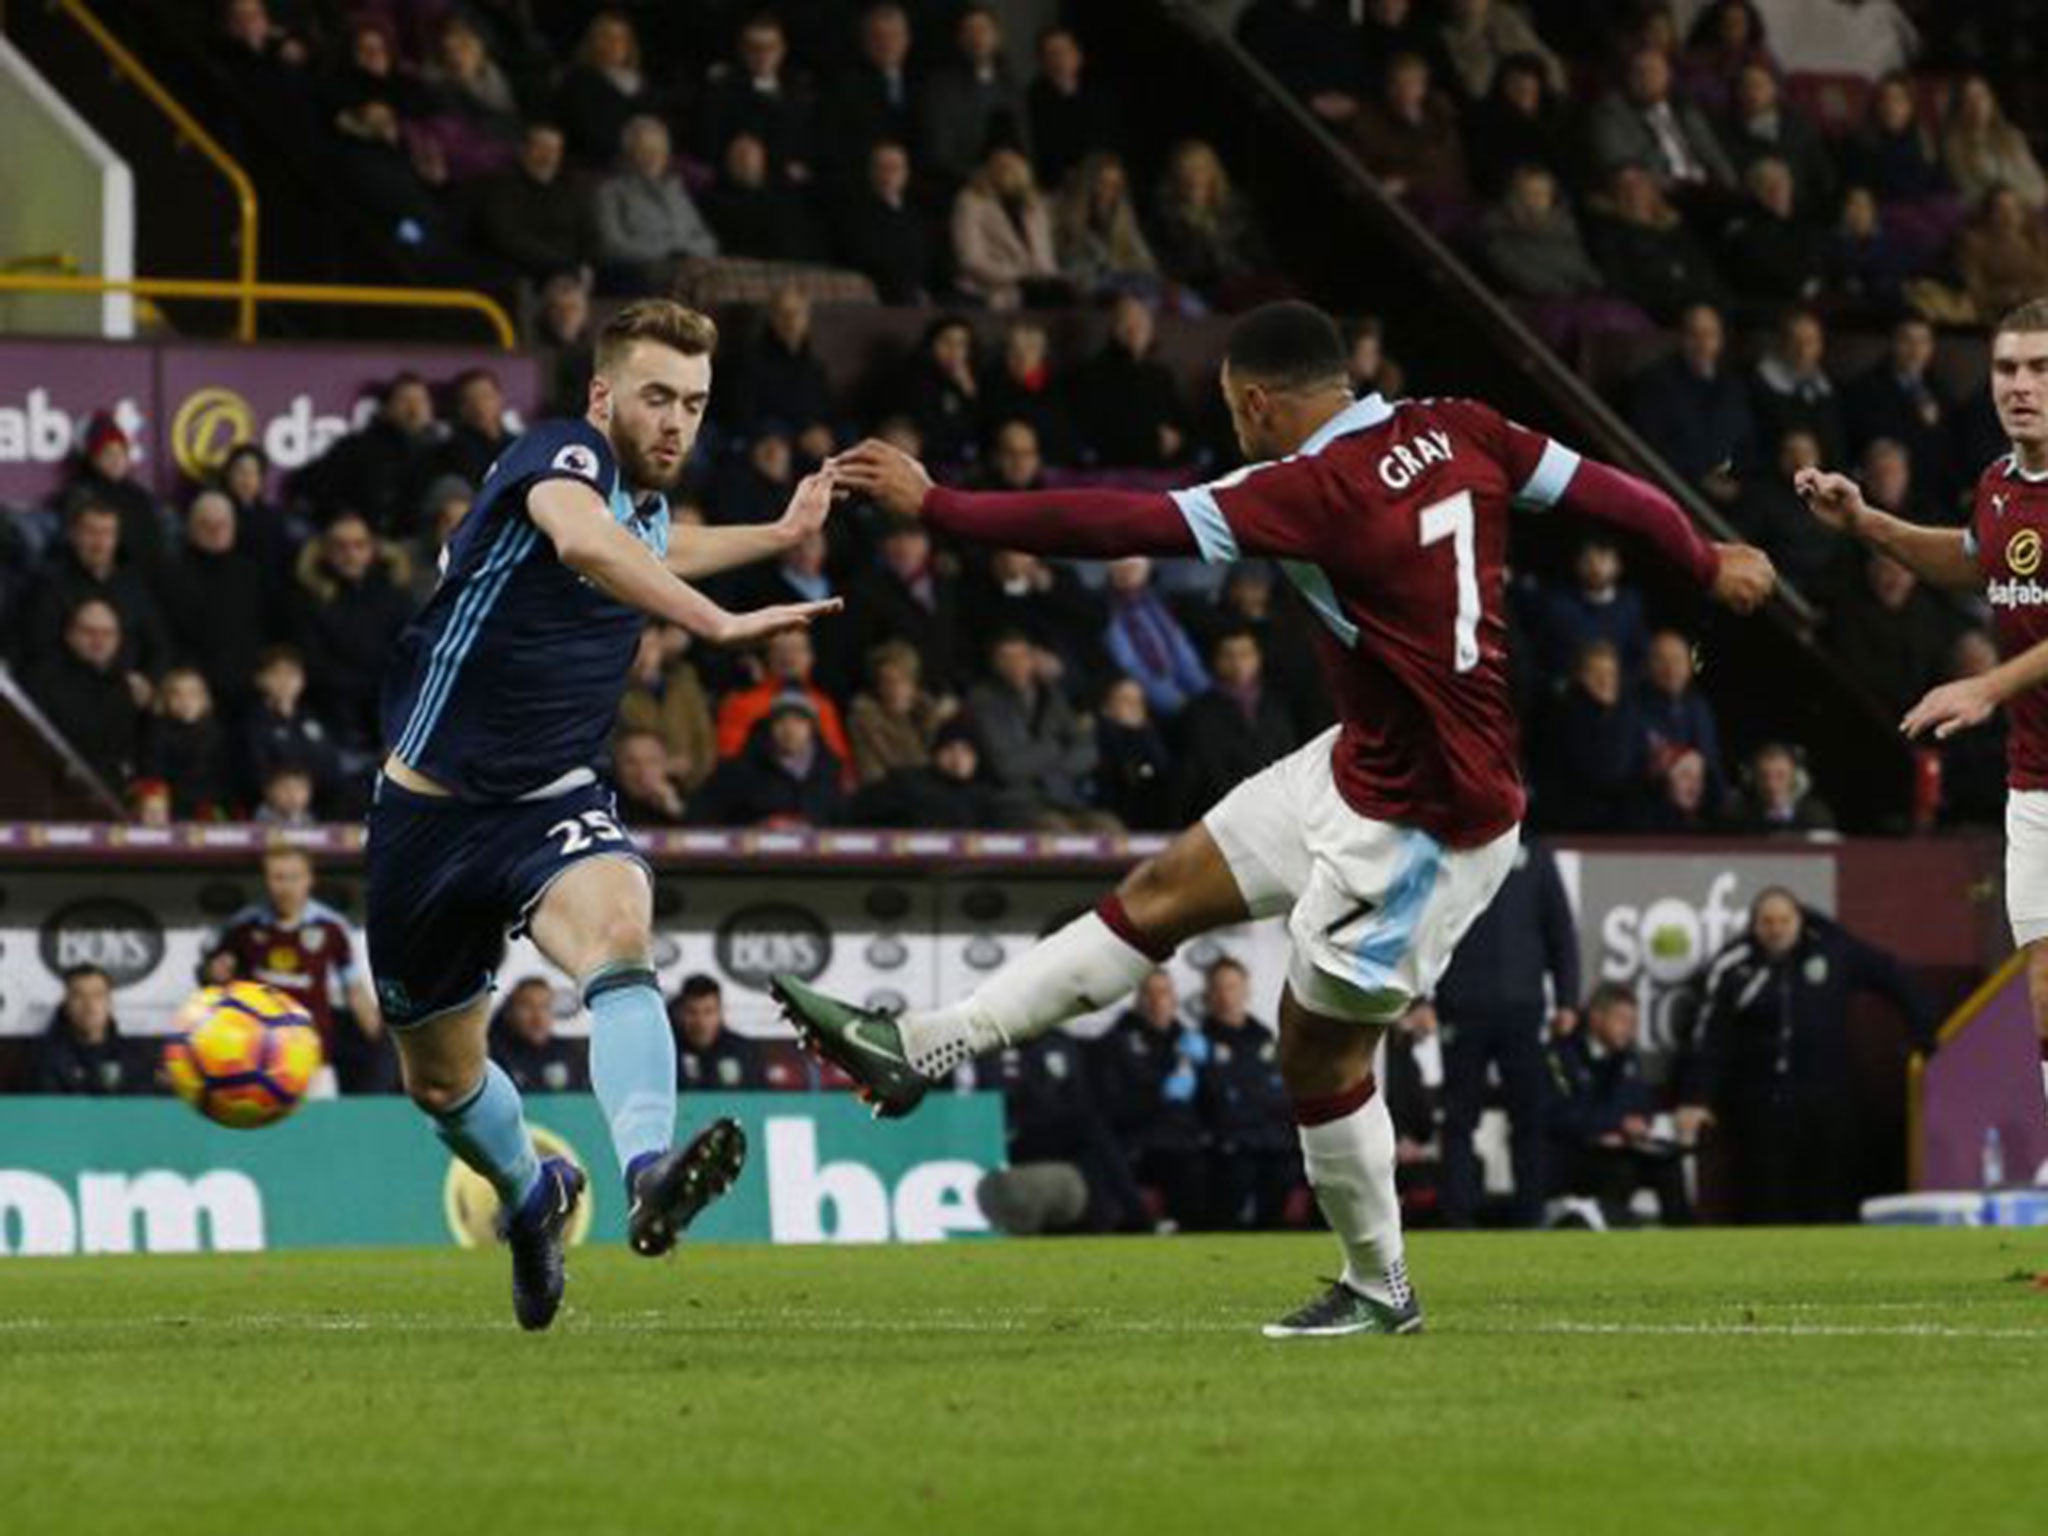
(2026, 863)
(1375, 909)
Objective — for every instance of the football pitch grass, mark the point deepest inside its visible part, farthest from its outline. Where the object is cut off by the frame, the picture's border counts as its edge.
(1707, 1382)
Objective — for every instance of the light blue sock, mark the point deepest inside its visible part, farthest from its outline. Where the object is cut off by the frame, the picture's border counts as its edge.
(488, 1131)
(632, 1060)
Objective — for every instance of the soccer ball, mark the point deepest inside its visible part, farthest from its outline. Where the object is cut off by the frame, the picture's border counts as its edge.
(244, 1054)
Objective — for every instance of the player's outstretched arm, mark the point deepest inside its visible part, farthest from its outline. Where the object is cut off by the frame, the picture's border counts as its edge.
(1939, 555)
(586, 540)
(1738, 575)
(696, 553)
(1079, 522)
(1971, 701)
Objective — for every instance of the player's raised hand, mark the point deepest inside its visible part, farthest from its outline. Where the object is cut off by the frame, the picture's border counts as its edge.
(886, 475)
(809, 505)
(747, 628)
(1835, 499)
(1950, 708)
(1745, 579)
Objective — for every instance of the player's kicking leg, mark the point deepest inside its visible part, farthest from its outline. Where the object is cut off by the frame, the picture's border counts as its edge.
(1089, 964)
(477, 1112)
(594, 921)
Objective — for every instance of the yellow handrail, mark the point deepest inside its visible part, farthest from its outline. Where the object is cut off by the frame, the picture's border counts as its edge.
(188, 125)
(274, 293)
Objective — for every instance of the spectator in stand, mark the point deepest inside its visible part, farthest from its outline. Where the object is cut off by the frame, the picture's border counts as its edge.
(895, 721)
(400, 181)
(1676, 716)
(1480, 36)
(972, 103)
(1532, 244)
(301, 946)
(1513, 980)
(1023, 392)
(1891, 633)
(1373, 372)
(1693, 409)
(1309, 46)
(1770, 252)
(566, 342)
(1983, 150)
(1254, 1146)
(1760, 125)
(83, 689)
(1973, 764)
(380, 470)
(1039, 750)
(1014, 460)
(664, 695)
(906, 596)
(1071, 116)
(351, 605)
(266, 66)
(800, 576)
(1046, 602)
(784, 776)
(949, 792)
(1147, 643)
(604, 88)
(1771, 1060)
(278, 732)
(710, 1056)
(1900, 398)
(755, 484)
(1406, 134)
(1135, 772)
(1066, 1171)
(648, 797)
(88, 566)
(1866, 267)
(754, 212)
(525, 1046)
(1247, 603)
(758, 94)
(535, 219)
(1394, 27)
(870, 102)
(941, 394)
(1102, 251)
(1597, 606)
(1726, 42)
(1521, 122)
(1589, 761)
(262, 527)
(1003, 251)
(372, 73)
(1650, 257)
(106, 478)
(1599, 1117)
(1203, 231)
(1679, 804)
(647, 227)
(447, 502)
(478, 435)
(1895, 156)
(780, 378)
(1126, 399)
(1885, 473)
(1231, 731)
(473, 113)
(1148, 1072)
(1778, 796)
(1642, 125)
(183, 748)
(883, 234)
(82, 1051)
(1791, 390)
(219, 605)
(2003, 255)
(286, 800)
(786, 666)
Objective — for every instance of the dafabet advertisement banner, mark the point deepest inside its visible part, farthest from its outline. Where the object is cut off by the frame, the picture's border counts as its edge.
(136, 1176)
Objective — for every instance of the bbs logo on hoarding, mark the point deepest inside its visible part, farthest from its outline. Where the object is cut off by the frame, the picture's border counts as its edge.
(772, 939)
(122, 939)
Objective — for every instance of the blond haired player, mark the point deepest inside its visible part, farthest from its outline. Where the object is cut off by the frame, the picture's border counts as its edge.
(1999, 554)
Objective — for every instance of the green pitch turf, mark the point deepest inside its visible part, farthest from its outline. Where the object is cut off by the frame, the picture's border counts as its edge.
(1810, 1382)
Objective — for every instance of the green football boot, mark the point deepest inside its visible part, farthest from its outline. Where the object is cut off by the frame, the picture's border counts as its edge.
(1340, 1311)
(860, 1042)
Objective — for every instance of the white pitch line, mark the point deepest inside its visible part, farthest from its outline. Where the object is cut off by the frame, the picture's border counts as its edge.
(1795, 1330)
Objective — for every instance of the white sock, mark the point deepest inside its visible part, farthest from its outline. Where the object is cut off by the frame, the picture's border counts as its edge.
(1082, 967)
(1350, 1164)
